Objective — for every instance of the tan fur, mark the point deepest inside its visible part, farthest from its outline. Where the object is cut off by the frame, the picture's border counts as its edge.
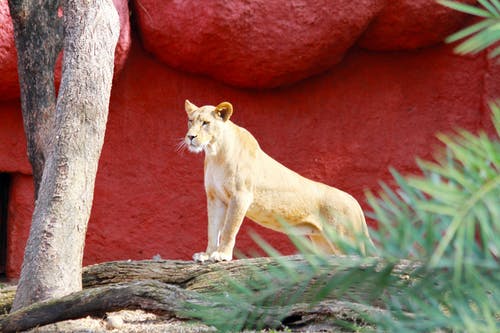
(242, 180)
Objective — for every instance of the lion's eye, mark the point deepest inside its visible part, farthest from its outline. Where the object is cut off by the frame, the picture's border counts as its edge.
(205, 123)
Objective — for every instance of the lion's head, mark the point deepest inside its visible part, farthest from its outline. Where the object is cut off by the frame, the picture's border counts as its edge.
(205, 125)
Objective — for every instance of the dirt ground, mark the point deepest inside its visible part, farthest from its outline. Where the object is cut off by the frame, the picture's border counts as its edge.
(138, 321)
(125, 321)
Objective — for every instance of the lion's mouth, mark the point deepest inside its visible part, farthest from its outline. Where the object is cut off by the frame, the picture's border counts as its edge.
(195, 148)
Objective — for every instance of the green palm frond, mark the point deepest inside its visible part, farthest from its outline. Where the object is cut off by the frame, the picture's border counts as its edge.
(465, 193)
(449, 218)
(470, 9)
(482, 34)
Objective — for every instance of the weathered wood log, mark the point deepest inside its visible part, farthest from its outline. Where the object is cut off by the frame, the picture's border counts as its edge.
(213, 277)
(163, 286)
(183, 273)
(148, 295)
(209, 277)
(154, 296)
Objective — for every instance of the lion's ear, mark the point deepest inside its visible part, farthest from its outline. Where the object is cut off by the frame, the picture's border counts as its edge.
(224, 110)
(190, 107)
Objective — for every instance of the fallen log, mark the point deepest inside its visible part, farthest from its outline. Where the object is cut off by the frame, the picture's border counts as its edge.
(165, 285)
(147, 295)
(157, 297)
(214, 277)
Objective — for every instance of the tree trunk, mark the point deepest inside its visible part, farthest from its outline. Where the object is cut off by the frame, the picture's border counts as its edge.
(52, 263)
(38, 36)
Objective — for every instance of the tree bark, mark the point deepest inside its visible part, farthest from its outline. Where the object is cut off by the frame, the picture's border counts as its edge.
(148, 295)
(162, 298)
(38, 37)
(213, 277)
(52, 263)
(163, 286)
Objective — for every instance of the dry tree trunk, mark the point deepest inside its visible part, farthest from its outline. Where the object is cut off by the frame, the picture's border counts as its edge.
(52, 263)
(36, 59)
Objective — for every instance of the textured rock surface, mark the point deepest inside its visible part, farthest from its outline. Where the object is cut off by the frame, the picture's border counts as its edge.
(125, 39)
(19, 213)
(9, 86)
(264, 43)
(411, 24)
(13, 155)
(261, 43)
(258, 43)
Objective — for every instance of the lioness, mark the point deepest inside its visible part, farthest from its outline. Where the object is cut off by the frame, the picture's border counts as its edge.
(242, 180)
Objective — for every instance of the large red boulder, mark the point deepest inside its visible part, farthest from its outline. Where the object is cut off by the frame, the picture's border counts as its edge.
(9, 85)
(259, 43)
(268, 43)
(124, 40)
(411, 24)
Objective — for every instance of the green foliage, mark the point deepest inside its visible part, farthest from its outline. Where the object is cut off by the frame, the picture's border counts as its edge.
(449, 219)
(482, 34)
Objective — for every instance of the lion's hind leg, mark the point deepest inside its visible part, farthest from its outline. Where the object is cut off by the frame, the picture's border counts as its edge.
(312, 230)
(322, 245)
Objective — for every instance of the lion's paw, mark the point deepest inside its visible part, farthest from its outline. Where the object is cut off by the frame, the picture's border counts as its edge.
(201, 257)
(220, 256)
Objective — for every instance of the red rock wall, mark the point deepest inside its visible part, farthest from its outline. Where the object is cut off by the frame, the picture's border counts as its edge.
(344, 127)
(269, 43)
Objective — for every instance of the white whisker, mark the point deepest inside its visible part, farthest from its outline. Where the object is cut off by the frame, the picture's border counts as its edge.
(181, 146)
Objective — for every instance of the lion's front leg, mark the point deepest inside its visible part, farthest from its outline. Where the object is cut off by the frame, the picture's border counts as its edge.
(236, 210)
(216, 210)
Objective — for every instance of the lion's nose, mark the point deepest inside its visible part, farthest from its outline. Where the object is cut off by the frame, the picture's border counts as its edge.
(191, 137)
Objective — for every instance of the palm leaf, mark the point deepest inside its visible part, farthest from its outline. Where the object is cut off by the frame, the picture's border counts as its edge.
(495, 109)
(465, 8)
(490, 188)
(471, 30)
(489, 7)
(480, 35)
(480, 40)
(494, 53)
(496, 3)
